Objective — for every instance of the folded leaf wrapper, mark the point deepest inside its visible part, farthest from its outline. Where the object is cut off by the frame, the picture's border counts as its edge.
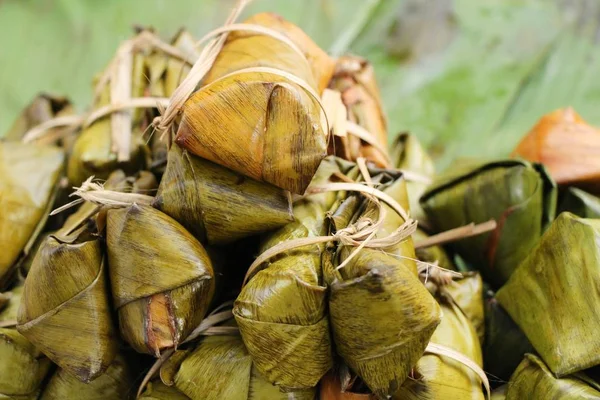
(22, 366)
(159, 391)
(580, 203)
(260, 124)
(281, 311)
(28, 176)
(467, 292)
(567, 146)
(553, 296)
(533, 380)
(217, 204)
(221, 368)
(432, 254)
(354, 78)
(161, 277)
(115, 384)
(442, 377)
(65, 308)
(518, 195)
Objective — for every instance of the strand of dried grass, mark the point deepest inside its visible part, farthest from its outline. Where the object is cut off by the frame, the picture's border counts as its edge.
(8, 324)
(440, 350)
(461, 232)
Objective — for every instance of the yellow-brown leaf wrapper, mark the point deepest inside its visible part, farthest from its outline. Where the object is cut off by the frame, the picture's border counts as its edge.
(534, 381)
(260, 124)
(161, 277)
(65, 308)
(468, 295)
(157, 390)
(553, 296)
(217, 204)
(28, 175)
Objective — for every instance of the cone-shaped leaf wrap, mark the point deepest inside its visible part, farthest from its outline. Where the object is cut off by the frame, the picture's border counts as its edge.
(215, 203)
(65, 308)
(553, 296)
(161, 277)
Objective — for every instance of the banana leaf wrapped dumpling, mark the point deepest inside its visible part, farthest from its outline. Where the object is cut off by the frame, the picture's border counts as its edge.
(269, 114)
(467, 292)
(114, 384)
(518, 195)
(217, 204)
(580, 203)
(28, 177)
(281, 311)
(162, 279)
(157, 390)
(221, 368)
(22, 366)
(562, 274)
(533, 380)
(65, 309)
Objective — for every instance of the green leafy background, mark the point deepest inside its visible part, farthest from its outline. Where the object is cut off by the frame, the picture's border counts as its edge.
(469, 77)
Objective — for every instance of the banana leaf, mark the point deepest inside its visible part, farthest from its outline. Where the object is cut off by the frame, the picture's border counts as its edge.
(331, 389)
(220, 367)
(115, 384)
(553, 296)
(518, 195)
(28, 177)
(65, 309)
(533, 380)
(22, 366)
(217, 204)
(567, 146)
(42, 108)
(161, 277)
(505, 343)
(468, 295)
(281, 311)
(441, 377)
(499, 393)
(432, 254)
(159, 391)
(408, 154)
(176, 70)
(580, 203)
(279, 124)
(354, 78)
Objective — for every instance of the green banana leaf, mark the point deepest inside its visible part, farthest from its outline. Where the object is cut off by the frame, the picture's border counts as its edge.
(65, 310)
(281, 311)
(28, 177)
(518, 195)
(161, 277)
(159, 391)
(533, 380)
(467, 292)
(553, 295)
(579, 203)
(443, 378)
(114, 384)
(432, 254)
(217, 204)
(505, 343)
(220, 367)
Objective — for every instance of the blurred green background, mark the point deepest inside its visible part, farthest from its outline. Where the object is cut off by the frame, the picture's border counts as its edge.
(469, 77)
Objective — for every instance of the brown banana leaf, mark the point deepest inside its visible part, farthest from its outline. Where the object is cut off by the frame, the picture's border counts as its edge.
(505, 343)
(65, 309)
(22, 366)
(408, 154)
(42, 108)
(444, 378)
(217, 204)
(159, 391)
(115, 384)
(534, 381)
(162, 278)
(553, 296)
(432, 254)
(279, 124)
(354, 78)
(221, 368)
(580, 203)
(281, 311)
(331, 389)
(468, 295)
(28, 177)
(568, 147)
(518, 195)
